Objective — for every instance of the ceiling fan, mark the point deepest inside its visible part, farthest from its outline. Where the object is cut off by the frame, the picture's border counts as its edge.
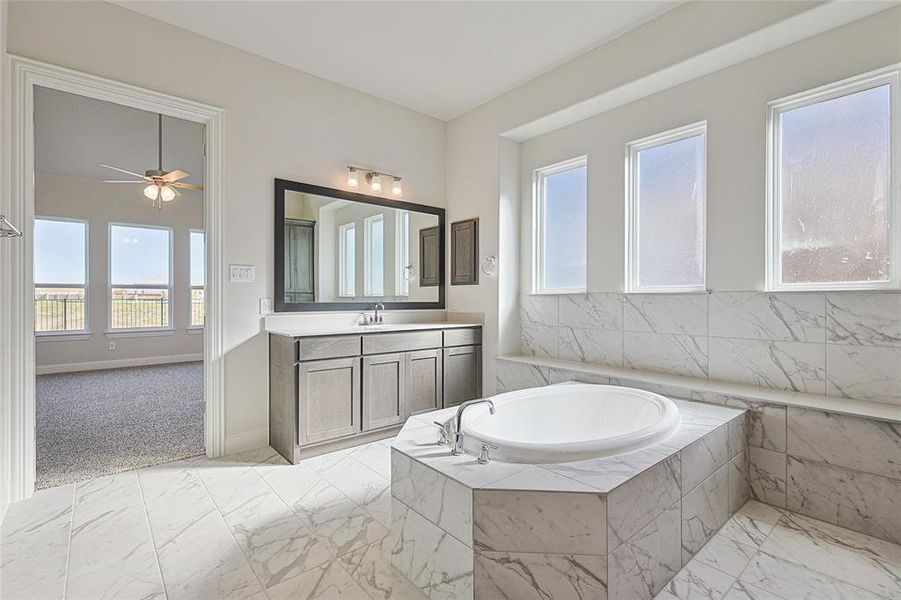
(160, 185)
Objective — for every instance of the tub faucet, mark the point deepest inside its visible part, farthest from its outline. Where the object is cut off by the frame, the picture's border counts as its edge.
(376, 318)
(458, 433)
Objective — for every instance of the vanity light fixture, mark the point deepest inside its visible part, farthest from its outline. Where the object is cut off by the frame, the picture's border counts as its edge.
(374, 180)
(352, 179)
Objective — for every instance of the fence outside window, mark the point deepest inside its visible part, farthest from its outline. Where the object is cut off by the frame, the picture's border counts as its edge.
(59, 307)
(139, 308)
(198, 306)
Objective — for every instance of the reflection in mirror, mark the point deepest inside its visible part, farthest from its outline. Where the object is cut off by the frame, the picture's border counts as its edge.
(342, 251)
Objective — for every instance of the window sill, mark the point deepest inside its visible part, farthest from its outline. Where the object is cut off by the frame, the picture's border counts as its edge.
(130, 333)
(195, 329)
(60, 336)
(559, 293)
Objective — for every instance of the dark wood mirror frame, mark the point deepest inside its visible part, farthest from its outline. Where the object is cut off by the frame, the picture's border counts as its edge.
(283, 185)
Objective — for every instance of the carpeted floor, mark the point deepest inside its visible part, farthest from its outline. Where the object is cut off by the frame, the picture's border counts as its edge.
(100, 422)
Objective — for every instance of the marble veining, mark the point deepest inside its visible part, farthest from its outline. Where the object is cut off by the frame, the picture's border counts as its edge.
(863, 444)
(790, 317)
(539, 310)
(864, 319)
(704, 510)
(665, 313)
(864, 372)
(794, 366)
(596, 346)
(668, 353)
(640, 568)
(768, 476)
(523, 576)
(540, 340)
(592, 311)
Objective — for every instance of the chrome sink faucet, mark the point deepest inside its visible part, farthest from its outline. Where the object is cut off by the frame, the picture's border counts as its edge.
(458, 433)
(376, 318)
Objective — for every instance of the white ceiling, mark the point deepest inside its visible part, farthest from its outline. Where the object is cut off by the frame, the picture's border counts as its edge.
(439, 58)
(73, 133)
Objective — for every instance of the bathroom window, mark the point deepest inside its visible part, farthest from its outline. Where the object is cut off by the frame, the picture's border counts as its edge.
(140, 277)
(60, 275)
(374, 256)
(347, 260)
(832, 191)
(666, 207)
(198, 278)
(560, 193)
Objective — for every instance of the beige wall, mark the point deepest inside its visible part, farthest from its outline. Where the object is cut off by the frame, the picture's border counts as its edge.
(278, 123)
(101, 204)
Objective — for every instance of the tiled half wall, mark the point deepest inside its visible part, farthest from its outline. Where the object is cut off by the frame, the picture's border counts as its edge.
(843, 344)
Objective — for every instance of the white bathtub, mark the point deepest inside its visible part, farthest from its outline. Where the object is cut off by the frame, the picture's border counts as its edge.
(562, 423)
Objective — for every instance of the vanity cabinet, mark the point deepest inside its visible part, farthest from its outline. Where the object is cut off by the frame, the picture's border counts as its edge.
(333, 391)
(328, 398)
(462, 374)
(384, 385)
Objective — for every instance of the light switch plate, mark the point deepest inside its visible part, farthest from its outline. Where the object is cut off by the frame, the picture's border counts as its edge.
(265, 306)
(241, 273)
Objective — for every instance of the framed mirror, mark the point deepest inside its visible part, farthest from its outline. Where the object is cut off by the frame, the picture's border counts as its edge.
(340, 250)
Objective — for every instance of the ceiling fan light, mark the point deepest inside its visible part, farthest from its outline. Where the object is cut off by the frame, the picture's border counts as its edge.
(352, 178)
(396, 188)
(152, 191)
(167, 194)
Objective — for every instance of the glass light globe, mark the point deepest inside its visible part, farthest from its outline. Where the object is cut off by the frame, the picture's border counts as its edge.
(352, 179)
(376, 183)
(167, 194)
(396, 188)
(152, 191)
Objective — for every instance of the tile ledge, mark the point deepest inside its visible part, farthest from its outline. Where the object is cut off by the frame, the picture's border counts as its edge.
(844, 406)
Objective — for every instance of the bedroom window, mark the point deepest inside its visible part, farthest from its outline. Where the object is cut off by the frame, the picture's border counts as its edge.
(140, 277)
(60, 275)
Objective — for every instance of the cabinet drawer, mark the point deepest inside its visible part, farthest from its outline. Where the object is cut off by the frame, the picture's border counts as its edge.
(462, 337)
(328, 347)
(380, 343)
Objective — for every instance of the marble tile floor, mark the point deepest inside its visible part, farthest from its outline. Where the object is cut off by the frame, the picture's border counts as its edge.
(765, 553)
(251, 526)
(247, 526)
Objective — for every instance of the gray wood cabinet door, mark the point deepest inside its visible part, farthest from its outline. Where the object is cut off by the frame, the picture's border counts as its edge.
(462, 374)
(384, 390)
(429, 257)
(424, 381)
(328, 399)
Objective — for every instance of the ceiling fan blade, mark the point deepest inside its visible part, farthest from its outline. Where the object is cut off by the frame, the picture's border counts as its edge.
(122, 170)
(124, 181)
(187, 186)
(175, 175)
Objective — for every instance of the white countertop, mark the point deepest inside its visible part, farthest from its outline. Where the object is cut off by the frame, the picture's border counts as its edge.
(318, 330)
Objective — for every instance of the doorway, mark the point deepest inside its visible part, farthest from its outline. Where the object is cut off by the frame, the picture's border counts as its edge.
(17, 283)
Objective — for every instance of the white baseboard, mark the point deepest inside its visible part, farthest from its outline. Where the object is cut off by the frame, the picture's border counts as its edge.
(117, 363)
(250, 440)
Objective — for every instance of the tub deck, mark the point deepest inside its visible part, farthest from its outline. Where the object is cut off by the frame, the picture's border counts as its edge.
(617, 527)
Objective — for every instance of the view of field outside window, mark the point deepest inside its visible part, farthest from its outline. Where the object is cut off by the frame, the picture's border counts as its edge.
(60, 275)
(198, 278)
(834, 193)
(562, 213)
(670, 205)
(140, 280)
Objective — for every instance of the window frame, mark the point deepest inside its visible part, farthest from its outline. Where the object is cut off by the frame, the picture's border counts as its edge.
(109, 281)
(87, 280)
(889, 75)
(402, 253)
(367, 255)
(539, 205)
(632, 285)
(342, 259)
(191, 286)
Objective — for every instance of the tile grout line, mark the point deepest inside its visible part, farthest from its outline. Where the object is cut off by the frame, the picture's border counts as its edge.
(69, 541)
(156, 556)
(229, 529)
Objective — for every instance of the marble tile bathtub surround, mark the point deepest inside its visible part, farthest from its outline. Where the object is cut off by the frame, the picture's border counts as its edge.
(539, 576)
(665, 313)
(843, 344)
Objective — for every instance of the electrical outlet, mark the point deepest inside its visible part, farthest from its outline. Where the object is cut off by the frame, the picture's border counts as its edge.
(111, 346)
(265, 306)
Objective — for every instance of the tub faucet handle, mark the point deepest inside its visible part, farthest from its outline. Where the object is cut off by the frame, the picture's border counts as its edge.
(484, 457)
(443, 439)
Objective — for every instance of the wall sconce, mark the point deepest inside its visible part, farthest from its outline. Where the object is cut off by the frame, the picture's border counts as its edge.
(374, 180)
